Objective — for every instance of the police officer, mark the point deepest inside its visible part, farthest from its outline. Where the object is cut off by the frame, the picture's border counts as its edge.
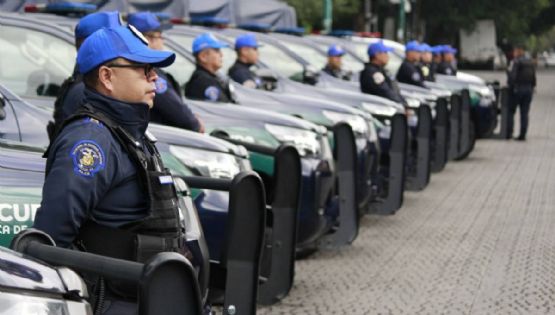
(246, 47)
(333, 67)
(71, 93)
(374, 79)
(409, 72)
(436, 58)
(521, 81)
(426, 61)
(447, 64)
(205, 83)
(169, 108)
(106, 190)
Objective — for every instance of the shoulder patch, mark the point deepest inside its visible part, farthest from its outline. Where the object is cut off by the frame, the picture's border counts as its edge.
(378, 78)
(161, 85)
(212, 93)
(416, 76)
(88, 158)
(448, 71)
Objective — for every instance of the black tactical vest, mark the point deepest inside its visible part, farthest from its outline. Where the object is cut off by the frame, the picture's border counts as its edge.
(161, 230)
(525, 72)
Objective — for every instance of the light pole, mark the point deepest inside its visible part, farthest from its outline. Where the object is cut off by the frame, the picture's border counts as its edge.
(401, 24)
(328, 15)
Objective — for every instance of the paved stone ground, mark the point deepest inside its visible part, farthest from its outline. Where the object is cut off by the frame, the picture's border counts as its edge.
(479, 240)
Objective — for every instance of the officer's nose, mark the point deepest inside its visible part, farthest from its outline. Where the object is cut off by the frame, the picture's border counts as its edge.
(152, 76)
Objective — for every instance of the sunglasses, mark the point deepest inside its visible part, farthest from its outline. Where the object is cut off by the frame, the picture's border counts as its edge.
(145, 66)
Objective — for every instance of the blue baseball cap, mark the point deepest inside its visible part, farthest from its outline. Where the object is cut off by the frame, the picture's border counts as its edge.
(147, 22)
(335, 51)
(413, 46)
(205, 41)
(247, 40)
(426, 48)
(378, 47)
(447, 49)
(95, 21)
(437, 50)
(125, 42)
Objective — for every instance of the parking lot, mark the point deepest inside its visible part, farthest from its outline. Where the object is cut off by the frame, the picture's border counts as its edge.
(479, 239)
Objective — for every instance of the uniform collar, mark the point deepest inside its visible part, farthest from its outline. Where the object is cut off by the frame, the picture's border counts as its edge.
(202, 69)
(133, 117)
(239, 62)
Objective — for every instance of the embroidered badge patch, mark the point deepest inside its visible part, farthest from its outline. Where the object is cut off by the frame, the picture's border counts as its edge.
(378, 78)
(161, 85)
(416, 76)
(212, 93)
(88, 158)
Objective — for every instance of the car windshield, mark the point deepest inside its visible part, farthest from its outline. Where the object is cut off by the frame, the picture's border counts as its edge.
(181, 69)
(313, 56)
(278, 60)
(34, 63)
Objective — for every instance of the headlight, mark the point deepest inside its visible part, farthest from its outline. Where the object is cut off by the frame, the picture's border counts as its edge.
(207, 163)
(379, 110)
(357, 123)
(413, 102)
(305, 141)
(14, 303)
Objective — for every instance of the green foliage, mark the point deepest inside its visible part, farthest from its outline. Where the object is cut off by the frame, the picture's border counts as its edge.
(310, 13)
(512, 17)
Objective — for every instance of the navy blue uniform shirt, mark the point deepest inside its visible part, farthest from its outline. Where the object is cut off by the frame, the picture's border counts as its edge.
(427, 71)
(374, 80)
(446, 68)
(169, 108)
(206, 86)
(410, 74)
(240, 72)
(90, 176)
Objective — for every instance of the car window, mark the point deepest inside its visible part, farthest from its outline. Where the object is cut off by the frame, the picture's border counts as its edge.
(34, 63)
(313, 56)
(280, 61)
(181, 69)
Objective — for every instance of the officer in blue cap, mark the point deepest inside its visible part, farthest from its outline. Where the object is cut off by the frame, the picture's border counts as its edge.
(169, 108)
(246, 47)
(426, 61)
(106, 189)
(447, 64)
(333, 66)
(205, 82)
(71, 92)
(436, 57)
(409, 72)
(374, 79)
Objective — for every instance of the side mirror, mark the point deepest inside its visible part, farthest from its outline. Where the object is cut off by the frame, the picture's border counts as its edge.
(268, 77)
(310, 75)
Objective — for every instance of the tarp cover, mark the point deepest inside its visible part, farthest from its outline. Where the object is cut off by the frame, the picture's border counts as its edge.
(272, 12)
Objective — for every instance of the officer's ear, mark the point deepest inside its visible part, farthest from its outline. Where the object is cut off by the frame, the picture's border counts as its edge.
(105, 78)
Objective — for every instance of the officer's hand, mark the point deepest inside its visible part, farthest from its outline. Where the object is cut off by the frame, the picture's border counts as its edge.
(200, 126)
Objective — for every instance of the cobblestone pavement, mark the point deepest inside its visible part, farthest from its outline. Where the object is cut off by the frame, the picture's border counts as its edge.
(479, 240)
